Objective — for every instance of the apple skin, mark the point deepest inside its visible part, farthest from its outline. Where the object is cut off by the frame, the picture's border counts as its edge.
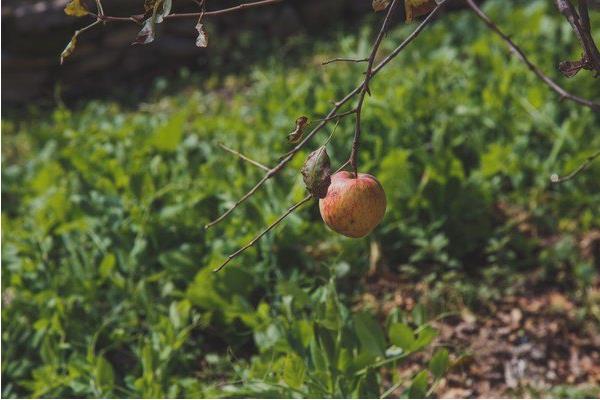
(353, 206)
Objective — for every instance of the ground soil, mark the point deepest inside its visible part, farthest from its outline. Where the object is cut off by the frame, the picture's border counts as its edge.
(534, 343)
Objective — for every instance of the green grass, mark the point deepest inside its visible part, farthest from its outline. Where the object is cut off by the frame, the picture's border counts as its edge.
(106, 270)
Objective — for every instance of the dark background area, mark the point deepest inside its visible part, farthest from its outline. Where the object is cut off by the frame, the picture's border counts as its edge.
(35, 33)
(106, 64)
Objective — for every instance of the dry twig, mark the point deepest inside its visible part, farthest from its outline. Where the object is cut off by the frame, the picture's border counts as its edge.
(553, 85)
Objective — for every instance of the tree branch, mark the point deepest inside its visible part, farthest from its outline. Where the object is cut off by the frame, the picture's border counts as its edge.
(268, 228)
(342, 59)
(264, 232)
(585, 165)
(580, 23)
(553, 85)
(330, 115)
(243, 157)
(365, 86)
(140, 17)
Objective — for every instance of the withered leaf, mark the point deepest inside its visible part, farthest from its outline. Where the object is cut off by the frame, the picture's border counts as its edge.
(296, 135)
(75, 9)
(380, 5)
(165, 9)
(69, 49)
(202, 39)
(571, 68)
(146, 34)
(161, 8)
(415, 8)
(316, 172)
(149, 5)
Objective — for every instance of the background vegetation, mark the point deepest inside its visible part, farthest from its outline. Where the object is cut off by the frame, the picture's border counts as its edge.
(107, 287)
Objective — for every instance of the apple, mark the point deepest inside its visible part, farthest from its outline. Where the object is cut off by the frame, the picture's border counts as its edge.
(353, 206)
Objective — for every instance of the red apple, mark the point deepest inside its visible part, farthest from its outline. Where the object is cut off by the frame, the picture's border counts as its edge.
(353, 206)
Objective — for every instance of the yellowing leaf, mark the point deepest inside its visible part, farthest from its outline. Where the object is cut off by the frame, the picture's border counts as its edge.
(75, 9)
(415, 8)
(380, 5)
(69, 49)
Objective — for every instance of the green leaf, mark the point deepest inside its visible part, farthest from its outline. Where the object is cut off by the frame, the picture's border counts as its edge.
(439, 363)
(294, 371)
(76, 9)
(326, 343)
(316, 172)
(418, 387)
(402, 336)
(370, 335)
(424, 338)
(168, 136)
(107, 265)
(104, 373)
(317, 356)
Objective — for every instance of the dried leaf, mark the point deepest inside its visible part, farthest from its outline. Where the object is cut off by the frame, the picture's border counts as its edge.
(316, 172)
(146, 34)
(296, 135)
(415, 8)
(202, 39)
(165, 10)
(75, 9)
(380, 5)
(69, 49)
(149, 5)
(571, 68)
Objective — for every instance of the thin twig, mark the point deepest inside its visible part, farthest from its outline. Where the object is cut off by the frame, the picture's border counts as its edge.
(99, 7)
(240, 7)
(342, 59)
(332, 113)
(264, 232)
(553, 85)
(588, 161)
(271, 226)
(243, 157)
(337, 116)
(580, 23)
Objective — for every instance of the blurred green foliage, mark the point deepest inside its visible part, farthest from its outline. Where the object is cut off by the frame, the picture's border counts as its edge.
(107, 286)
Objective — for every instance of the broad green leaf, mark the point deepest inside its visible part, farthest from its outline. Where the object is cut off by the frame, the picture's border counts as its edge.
(168, 136)
(326, 343)
(439, 363)
(107, 265)
(424, 338)
(317, 356)
(402, 336)
(370, 335)
(294, 371)
(418, 387)
(104, 373)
